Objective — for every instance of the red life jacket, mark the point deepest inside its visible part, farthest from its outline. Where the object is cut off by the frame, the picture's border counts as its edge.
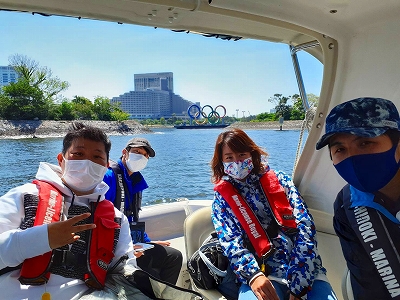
(35, 270)
(278, 202)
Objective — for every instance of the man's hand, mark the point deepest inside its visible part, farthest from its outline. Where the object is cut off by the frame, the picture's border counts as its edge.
(263, 289)
(137, 253)
(64, 232)
(163, 243)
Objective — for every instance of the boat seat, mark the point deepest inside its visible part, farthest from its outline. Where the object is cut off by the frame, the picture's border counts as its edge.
(197, 228)
(347, 290)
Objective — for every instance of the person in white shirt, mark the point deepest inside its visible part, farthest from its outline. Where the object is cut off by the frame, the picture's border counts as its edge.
(72, 241)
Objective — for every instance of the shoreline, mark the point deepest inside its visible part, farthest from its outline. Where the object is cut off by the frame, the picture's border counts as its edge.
(21, 129)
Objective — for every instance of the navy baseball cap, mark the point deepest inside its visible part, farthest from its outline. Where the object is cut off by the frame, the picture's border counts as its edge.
(367, 117)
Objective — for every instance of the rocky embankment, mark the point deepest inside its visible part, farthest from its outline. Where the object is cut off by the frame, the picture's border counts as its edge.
(29, 129)
(274, 125)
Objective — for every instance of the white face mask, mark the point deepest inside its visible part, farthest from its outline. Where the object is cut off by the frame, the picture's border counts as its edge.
(239, 169)
(136, 162)
(83, 175)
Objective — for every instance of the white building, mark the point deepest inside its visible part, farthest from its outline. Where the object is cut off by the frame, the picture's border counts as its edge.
(8, 75)
(154, 81)
(145, 104)
(153, 98)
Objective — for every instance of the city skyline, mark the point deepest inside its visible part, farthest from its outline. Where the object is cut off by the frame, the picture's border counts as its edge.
(100, 58)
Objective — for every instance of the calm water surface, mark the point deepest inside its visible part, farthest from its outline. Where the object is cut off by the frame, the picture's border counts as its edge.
(180, 168)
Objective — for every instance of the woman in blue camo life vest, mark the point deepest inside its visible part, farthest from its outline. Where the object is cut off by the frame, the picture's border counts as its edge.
(292, 268)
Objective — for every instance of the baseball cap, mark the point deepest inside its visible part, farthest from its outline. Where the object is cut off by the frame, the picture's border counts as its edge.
(367, 117)
(141, 142)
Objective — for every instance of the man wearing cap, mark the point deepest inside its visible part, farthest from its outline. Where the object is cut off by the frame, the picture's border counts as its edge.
(363, 139)
(126, 185)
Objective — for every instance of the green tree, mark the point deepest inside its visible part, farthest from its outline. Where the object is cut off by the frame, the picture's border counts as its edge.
(21, 101)
(64, 111)
(297, 112)
(281, 105)
(313, 100)
(32, 95)
(102, 108)
(39, 77)
(119, 115)
(83, 108)
(265, 117)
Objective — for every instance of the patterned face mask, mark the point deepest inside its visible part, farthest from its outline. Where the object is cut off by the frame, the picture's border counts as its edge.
(239, 169)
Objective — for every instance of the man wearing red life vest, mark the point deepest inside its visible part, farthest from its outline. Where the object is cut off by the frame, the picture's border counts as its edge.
(72, 192)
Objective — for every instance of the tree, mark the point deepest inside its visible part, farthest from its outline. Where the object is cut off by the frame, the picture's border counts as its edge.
(107, 111)
(32, 95)
(297, 112)
(119, 115)
(83, 108)
(21, 101)
(313, 100)
(102, 108)
(281, 105)
(64, 111)
(264, 117)
(38, 77)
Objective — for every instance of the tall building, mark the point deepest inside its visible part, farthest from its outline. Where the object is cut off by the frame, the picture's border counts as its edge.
(8, 75)
(145, 104)
(153, 98)
(154, 81)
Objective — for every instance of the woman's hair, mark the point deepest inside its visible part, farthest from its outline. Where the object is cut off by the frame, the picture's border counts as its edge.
(79, 130)
(238, 141)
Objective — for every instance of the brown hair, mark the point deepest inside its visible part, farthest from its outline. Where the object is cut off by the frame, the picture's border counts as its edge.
(238, 141)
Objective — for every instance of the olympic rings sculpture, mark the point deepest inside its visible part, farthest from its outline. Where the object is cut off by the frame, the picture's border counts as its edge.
(208, 113)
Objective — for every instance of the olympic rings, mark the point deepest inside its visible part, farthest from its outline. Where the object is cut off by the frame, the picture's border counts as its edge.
(212, 117)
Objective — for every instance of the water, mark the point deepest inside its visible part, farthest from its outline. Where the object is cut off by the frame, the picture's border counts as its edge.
(180, 168)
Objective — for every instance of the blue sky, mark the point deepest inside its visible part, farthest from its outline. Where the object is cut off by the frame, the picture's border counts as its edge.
(100, 58)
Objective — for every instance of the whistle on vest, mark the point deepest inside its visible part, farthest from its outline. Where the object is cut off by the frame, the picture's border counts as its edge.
(264, 267)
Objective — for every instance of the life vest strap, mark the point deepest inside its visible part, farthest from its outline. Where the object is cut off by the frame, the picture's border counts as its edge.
(279, 203)
(280, 207)
(251, 225)
(35, 270)
(67, 258)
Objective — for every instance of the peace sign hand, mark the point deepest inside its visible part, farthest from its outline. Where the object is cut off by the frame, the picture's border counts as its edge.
(64, 232)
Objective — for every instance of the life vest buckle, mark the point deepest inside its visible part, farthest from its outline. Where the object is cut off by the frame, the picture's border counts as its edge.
(269, 252)
(64, 258)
